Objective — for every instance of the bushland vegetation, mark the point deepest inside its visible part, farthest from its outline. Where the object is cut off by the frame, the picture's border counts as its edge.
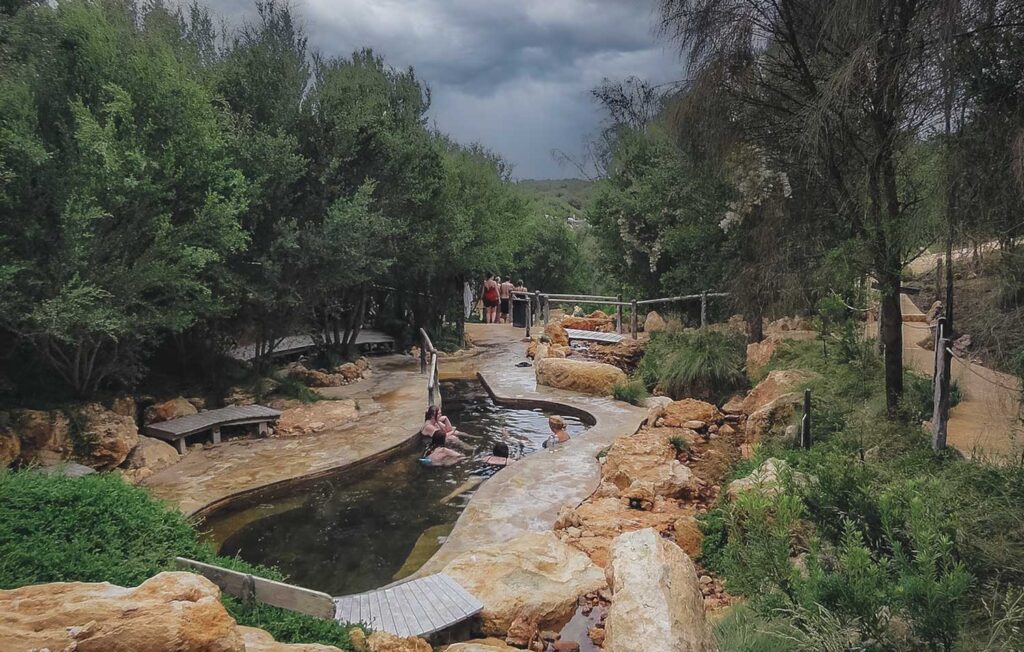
(169, 189)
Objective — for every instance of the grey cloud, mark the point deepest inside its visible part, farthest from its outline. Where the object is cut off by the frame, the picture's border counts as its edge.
(511, 74)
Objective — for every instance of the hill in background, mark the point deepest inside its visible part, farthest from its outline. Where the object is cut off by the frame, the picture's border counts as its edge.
(559, 197)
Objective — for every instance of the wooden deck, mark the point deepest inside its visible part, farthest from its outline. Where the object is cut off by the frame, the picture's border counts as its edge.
(176, 430)
(593, 336)
(415, 608)
(299, 343)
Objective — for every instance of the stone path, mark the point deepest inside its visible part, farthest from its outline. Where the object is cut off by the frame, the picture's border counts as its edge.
(526, 496)
(391, 403)
(985, 423)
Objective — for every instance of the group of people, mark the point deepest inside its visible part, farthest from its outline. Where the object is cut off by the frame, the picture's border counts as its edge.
(445, 439)
(497, 298)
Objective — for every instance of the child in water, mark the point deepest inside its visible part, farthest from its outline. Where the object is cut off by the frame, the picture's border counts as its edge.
(559, 432)
(437, 454)
(496, 461)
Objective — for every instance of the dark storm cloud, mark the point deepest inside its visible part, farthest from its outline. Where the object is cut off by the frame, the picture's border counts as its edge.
(514, 75)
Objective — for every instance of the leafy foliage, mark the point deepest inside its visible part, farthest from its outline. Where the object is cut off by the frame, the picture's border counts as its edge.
(703, 363)
(630, 391)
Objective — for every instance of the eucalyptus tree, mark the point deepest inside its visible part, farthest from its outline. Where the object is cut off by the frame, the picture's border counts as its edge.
(841, 89)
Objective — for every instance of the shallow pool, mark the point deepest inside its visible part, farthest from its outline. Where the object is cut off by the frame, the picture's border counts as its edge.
(368, 527)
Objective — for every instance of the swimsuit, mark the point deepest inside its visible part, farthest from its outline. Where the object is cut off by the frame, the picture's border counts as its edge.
(491, 296)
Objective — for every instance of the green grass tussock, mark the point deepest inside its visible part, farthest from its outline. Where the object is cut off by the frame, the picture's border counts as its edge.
(630, 391)
(701, 363)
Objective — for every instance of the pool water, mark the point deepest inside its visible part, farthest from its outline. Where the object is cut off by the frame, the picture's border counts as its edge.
(368, 527)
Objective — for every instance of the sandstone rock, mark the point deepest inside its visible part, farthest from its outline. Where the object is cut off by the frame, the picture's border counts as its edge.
(314, 377)
(647, 456)
(688, 535)
(239, 396)
(556, 334)
(523, 631)
(640, 495)
(775, 384)
(585, 377)
(767, 478)
(533, 575)
(759, 353)
(384, 642)
(604, 519)
(106, 437)
(565, 646)
(934, 312)
(773, 418)
(170, 611)
(679, 412)
(607, 490)
(363, 363)
(734, 405)
(531, 349)
(10, 448)
(309, 418)
(349, 371)
(596, 321)
(656, 409)
(657, 604)
(45, 436)
(152, 454)
(172, 409)
(596, 635)
(125, 406)
(654, 323)
(726, 430)
(257, 640)
(482, 645)
(696, 425)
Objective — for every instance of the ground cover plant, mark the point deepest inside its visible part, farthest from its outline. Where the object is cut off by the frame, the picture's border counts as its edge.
(98, 528)
(703, 363)
(876, 542)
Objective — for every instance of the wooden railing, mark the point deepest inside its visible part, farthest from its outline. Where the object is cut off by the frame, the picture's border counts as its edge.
(428, 365)
(250, 588)
(545, 300)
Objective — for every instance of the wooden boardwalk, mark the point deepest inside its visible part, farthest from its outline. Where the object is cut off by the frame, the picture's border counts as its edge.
(415, 608)
(176, 430)
(298, 343)
(593, 336)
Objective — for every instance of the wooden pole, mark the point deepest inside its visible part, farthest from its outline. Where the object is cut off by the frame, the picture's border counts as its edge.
(703, 309)
(529, 314)
(940, 414)
(618, 315)
(633, 321)
(805, 423)
(938, 281)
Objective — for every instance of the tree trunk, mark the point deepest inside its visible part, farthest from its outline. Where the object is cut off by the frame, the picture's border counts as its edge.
(892, 344)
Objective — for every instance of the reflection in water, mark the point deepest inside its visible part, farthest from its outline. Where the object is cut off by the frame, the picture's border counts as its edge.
(363, 529)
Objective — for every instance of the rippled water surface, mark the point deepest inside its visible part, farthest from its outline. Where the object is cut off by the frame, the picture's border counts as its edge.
(365, 528)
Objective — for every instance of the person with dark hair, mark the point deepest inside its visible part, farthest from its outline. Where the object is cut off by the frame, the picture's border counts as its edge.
(437, 454)
(505, 294)
(496, 461)
(491, 298)
(499, 456)
(434, 421)
(521, 293)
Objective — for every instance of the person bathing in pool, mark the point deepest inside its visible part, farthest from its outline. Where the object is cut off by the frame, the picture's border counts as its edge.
(559, 432)
(496, 461)
(434, 421)
(437, 454)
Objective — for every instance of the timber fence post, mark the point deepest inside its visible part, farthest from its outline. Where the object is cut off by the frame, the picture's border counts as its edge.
(805, 422)
(633, 324)
(703, 308)
(618, 314)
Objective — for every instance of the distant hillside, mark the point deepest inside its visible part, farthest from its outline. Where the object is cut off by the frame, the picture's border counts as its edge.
(559, 197)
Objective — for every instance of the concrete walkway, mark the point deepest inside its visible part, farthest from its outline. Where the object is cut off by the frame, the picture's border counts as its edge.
(986, 422)
(391, 403)
(527, 495)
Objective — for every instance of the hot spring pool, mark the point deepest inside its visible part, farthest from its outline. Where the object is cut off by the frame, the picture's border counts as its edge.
(368, 527)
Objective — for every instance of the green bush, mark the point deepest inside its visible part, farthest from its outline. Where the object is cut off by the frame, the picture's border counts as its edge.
(918, 402)
(630, 391)
(98, 528)
(679, 443)
(701, 363)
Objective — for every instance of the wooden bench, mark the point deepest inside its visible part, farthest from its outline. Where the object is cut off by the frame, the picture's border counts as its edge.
(418, 607)
(176, 430)
(302, 343)
(593, 336)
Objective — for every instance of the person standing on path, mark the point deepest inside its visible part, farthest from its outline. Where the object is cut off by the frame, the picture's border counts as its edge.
(519, 307)
(505, 291)
(491, 299)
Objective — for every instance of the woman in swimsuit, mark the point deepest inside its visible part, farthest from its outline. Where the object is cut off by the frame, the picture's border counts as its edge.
(434, 421)
(437, 454)
(491, 299)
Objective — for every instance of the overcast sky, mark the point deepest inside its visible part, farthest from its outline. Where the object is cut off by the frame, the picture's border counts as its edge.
(514, 75)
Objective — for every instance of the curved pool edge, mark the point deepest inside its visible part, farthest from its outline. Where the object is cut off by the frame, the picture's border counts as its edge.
(527, 496)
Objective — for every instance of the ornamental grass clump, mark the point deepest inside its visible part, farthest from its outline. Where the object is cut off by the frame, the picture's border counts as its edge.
(704, 363)
(630, 391)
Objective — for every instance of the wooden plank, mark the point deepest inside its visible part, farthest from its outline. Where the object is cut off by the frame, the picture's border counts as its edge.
(453, 610)
(229, 581)
(294, 598)
(420, 600)
(417, 617)
(466, 601)
(384, 610)
(297, 343)
(365, 614)
(196, 423)
(593, 336)
(404, 620)
(342, 608)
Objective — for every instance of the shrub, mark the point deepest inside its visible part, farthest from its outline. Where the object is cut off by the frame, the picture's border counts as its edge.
(290, 387)
(97, 528)
(701, 363)
(918, 402)
(630, 391)
(679, 444)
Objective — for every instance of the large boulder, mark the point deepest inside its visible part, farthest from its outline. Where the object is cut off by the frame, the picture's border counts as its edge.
(679, 413)
(482, 645)
(654, 323)
(647, 456)
(556, 334)
(10, 447)
(45, 437)
(257, 640)
(768, 479)
(595, 321)
(657, 605)
(171, 611)
(774, 385)
(759, 353)
(534, 576)
(152, 454)
(106, 437)
(172, 409)
(772, 419)
(595, 524)
(579, 376)
(309, 418)
(385, 642)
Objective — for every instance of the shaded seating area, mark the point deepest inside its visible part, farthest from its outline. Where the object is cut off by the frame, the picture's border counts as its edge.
(176, 431)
